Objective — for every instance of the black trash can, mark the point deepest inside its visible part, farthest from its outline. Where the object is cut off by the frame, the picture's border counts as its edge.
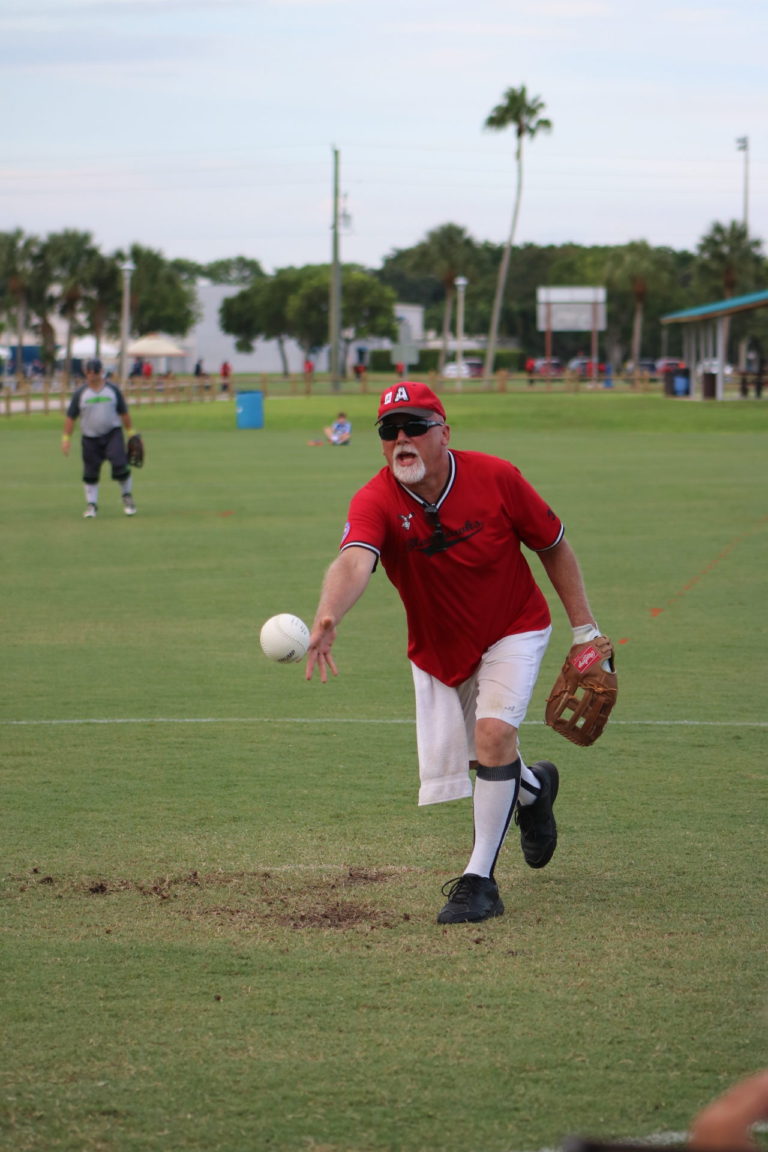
(709, 386)
(669, 383)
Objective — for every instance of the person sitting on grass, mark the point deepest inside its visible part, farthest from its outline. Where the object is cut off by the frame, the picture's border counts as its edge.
(340, 432)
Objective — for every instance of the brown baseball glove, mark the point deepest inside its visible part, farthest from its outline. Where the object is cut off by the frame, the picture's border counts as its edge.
(584, 693)
(135, 451)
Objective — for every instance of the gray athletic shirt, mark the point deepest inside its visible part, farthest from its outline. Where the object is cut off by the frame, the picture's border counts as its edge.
(100, 411)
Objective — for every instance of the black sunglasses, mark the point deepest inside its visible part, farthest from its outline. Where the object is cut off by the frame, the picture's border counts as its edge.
(411, 428)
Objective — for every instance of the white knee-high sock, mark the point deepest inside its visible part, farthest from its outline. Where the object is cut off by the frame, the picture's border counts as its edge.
(92, 493)
(126, 486)
(493, 804)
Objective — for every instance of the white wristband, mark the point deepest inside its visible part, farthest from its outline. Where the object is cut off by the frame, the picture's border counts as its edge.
(584, 633)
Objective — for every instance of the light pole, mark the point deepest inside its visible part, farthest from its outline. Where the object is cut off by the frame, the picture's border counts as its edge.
(461, 288)
(742, 143)
(334, 310)
(125, 322)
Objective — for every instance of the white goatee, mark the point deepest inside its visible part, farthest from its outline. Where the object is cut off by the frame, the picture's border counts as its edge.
(410, 473)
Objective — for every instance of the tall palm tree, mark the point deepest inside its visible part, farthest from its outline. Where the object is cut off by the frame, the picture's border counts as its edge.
(522, 111)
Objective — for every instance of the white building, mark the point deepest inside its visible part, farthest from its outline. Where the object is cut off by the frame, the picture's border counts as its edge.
(208, 343)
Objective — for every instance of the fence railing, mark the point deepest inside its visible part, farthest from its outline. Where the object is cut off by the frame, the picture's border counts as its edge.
(54, 395)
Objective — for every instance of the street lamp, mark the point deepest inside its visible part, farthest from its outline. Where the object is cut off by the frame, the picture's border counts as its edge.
(461, 288)
(125, 324)
(742, 144)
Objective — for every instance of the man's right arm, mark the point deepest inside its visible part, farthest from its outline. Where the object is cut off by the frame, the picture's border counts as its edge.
(344, 583)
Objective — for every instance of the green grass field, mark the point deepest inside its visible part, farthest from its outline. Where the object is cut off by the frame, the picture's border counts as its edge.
(218, 893)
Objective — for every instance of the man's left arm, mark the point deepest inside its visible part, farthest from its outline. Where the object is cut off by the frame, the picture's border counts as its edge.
(121, 407)
(564, 572)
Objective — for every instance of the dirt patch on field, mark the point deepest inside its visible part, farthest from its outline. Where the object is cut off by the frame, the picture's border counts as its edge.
(288, 898)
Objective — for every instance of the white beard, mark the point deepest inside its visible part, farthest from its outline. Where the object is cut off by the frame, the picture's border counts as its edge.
(411, 473)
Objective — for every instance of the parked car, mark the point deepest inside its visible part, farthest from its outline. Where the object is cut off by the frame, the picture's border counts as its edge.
(645, 366)
(582, 366)
(713, 366)
(670, 364)
(469, 369)
(548, 367)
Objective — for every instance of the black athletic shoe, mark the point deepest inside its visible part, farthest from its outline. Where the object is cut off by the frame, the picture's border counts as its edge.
(470, 897)
(538, 830)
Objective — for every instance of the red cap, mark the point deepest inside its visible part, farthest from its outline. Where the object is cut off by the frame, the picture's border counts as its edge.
(411, 397)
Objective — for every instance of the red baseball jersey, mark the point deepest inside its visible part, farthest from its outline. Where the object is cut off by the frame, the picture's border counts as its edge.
(458, 564)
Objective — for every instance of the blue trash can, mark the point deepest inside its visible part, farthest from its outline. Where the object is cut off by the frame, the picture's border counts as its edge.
(682, 382)
(250, 409)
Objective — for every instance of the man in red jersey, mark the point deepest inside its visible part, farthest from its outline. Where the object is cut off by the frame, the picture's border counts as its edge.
(448, 527)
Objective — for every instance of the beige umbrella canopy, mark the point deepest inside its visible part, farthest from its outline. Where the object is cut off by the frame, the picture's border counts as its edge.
(155, 345)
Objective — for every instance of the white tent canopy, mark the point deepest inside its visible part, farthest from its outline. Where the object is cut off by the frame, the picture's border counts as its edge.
(155, 344)
(85, 346)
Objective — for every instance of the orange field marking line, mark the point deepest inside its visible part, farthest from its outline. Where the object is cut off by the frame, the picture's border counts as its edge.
(721, 555)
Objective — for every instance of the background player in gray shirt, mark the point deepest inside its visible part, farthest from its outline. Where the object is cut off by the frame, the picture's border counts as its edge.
(104, 420)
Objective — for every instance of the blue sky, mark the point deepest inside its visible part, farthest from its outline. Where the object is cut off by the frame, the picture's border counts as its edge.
(206, 129)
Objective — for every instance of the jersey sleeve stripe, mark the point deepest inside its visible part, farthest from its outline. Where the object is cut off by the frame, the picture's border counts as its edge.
(360, 544)
(554, 543)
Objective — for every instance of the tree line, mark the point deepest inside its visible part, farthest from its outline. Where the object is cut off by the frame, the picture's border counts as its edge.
(643, 283)
(66, 274)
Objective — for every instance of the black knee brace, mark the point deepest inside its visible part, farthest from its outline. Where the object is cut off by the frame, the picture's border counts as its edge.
(501, 772)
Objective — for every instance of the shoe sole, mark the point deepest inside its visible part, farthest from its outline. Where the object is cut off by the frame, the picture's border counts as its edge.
(554, 784)
(496, 910)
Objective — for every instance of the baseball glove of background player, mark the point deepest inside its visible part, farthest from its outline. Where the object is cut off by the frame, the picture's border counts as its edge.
(135, 451)
(584, 693)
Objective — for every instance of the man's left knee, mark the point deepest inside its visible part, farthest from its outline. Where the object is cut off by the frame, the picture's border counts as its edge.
(495, 741)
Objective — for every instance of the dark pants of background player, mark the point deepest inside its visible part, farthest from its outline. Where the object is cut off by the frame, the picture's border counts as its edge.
(97, 449)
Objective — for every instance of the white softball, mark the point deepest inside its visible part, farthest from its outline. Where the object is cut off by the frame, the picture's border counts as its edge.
(284, 638)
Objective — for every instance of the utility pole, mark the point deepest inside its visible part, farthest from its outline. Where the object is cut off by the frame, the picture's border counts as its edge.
(334, 311)
(742, 143)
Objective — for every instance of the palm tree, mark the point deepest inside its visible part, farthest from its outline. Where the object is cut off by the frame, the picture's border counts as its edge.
(445, 253)
(42, 302)
(18, 254)
(103, 296)
(727, 258)
(523, 111)
(640, 268)
(72, 255)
